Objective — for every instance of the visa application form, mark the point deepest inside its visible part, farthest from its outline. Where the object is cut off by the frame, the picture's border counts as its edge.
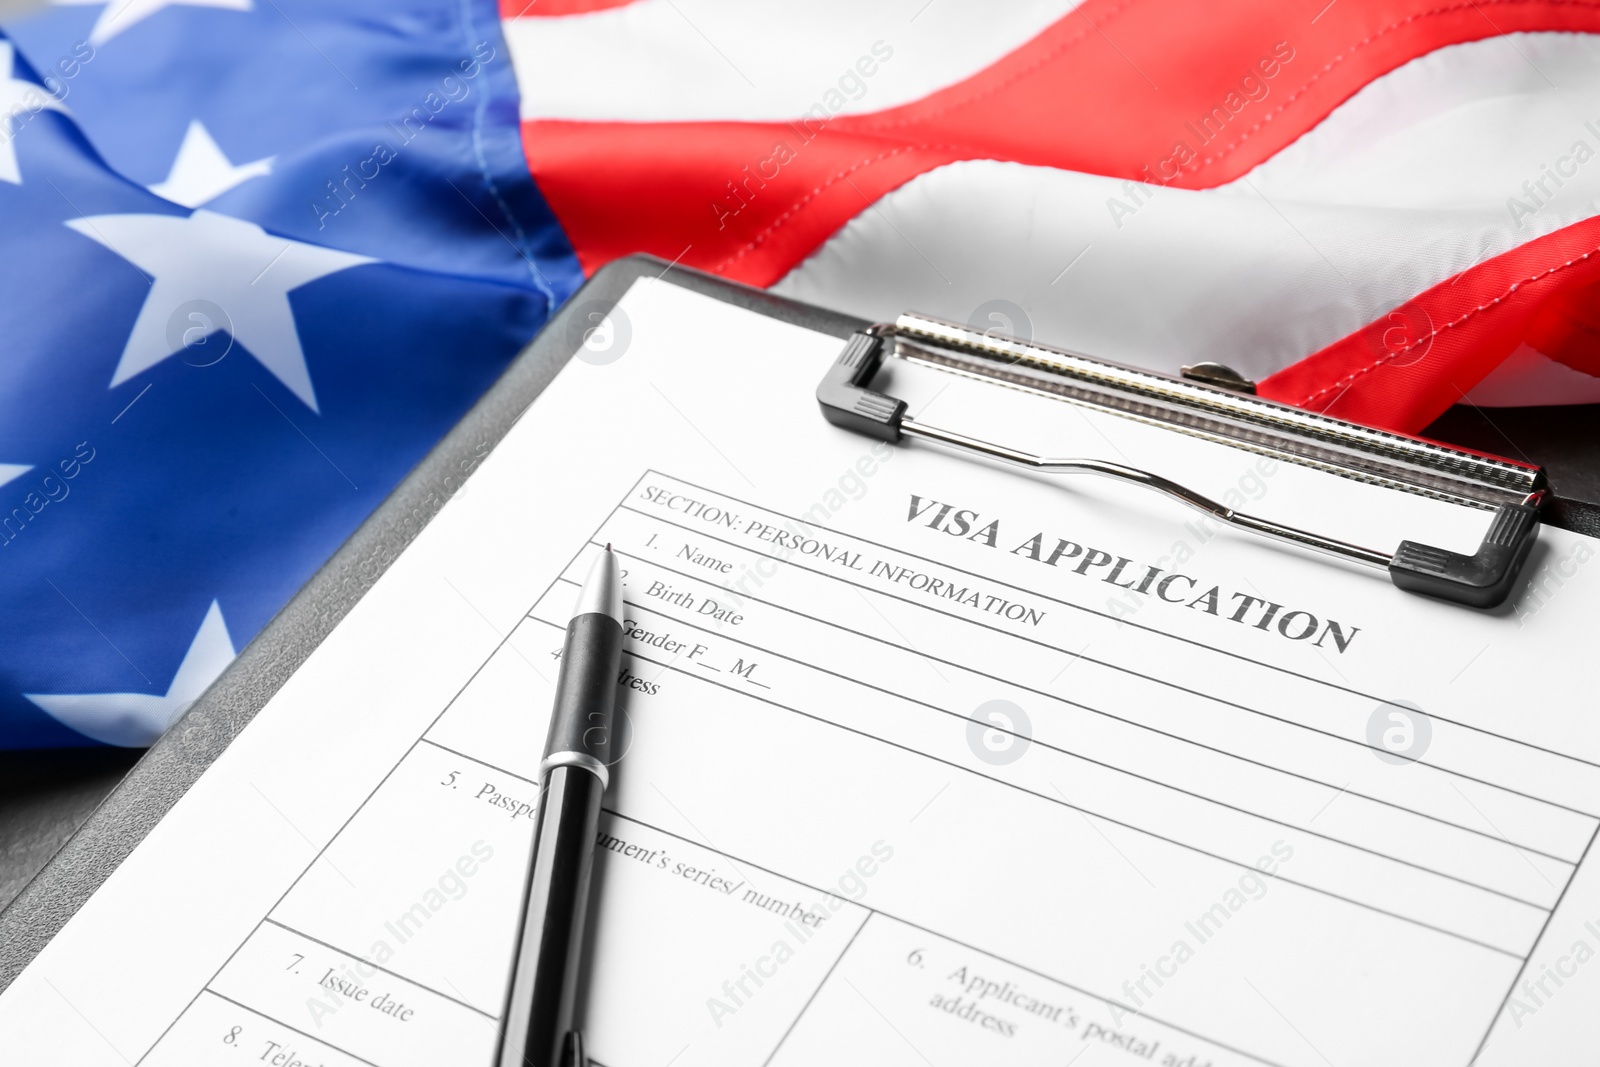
(925, 762)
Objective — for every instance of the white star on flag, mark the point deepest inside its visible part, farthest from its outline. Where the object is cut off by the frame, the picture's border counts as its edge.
(120, 14)
(12, 471)
(134, 720)
(209, 265)
(19, 101)
(201, 172)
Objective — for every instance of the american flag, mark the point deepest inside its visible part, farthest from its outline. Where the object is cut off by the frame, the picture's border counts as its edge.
(261, 254)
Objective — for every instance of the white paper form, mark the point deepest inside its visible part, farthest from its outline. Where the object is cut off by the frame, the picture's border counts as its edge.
(925, 762)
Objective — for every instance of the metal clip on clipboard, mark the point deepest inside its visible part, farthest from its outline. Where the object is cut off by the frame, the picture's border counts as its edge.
(1512, 491)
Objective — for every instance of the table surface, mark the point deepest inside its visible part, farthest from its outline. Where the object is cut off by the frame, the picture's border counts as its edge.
(45, 796)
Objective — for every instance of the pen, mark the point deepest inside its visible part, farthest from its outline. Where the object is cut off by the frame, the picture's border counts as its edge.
(536, 1025)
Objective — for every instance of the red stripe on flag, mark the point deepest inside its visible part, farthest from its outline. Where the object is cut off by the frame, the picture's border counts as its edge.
(1567, 329)
(528, 9)
(1402, 371)
(745, 200)
(1113, 88)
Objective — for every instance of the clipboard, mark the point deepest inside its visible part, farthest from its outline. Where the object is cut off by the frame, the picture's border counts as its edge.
(1512, 492)
(170, 767)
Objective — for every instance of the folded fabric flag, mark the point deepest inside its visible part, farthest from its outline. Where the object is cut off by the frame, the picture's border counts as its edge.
(259, 258)
(1368, 205)
(272, 249)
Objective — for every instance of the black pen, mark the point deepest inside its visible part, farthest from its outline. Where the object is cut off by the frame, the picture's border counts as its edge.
(536, 1025)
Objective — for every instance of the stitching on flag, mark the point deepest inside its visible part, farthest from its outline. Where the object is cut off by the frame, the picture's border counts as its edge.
(1353, 375)
(804, 200)
(1436, 12)
(469, 33)
(1018, 75)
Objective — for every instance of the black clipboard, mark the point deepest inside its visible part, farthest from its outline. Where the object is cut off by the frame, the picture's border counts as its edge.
(175, 762)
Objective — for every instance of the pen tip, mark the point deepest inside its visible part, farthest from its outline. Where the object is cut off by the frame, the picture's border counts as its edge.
(602, 588)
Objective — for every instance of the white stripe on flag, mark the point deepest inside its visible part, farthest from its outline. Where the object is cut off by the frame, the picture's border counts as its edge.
(688, 60)
(1316, 243)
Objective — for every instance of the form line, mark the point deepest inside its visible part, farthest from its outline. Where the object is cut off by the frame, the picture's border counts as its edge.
(1247, 813)
(1118, 822)
(421, 738)
(1126, 622)
(409, 981)
(1437, 768)
(1133, 723)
